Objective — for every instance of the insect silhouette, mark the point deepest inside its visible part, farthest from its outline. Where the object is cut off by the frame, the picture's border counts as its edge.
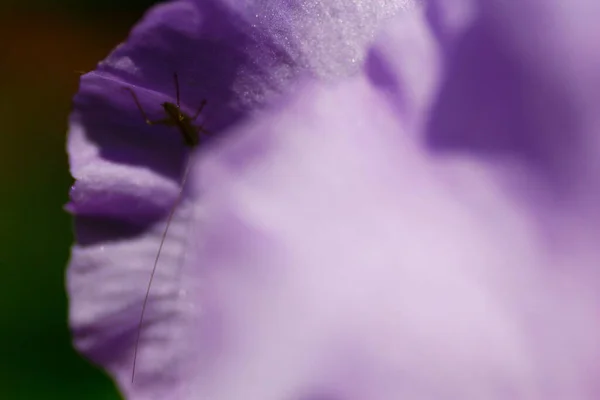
(191, 133)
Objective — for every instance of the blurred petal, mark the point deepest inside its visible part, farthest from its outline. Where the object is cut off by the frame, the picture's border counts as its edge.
(413, 232)
(368, 262)
(344, 258)
(521, 85)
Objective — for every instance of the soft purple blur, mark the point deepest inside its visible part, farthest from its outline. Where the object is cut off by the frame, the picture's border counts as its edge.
(415, 218)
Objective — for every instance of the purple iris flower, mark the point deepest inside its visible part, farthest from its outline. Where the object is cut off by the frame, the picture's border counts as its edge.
(399, 200)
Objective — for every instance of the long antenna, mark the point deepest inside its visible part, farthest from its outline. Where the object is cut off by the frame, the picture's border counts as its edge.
(162, 242)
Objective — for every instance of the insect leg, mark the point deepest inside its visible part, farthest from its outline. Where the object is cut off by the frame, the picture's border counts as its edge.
(144, 115)
(199, 110)
(202, 130)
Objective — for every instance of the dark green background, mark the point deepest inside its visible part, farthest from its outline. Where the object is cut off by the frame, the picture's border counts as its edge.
(42, 44)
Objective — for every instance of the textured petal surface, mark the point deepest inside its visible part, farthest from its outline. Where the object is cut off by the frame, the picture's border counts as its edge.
(426, 230)
(238, 55)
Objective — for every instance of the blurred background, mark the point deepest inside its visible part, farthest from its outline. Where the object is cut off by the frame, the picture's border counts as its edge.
(42, 45)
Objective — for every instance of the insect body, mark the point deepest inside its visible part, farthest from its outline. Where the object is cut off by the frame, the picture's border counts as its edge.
(176, 117)
(191, 136)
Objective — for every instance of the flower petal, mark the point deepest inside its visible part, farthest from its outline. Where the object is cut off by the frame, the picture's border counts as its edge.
(239, 55)
(369, 266)
(363, 241)
(519, 87)
(127, 173)
(344, 257)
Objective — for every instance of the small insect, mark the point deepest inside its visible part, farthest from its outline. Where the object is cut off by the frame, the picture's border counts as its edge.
(191, 136)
